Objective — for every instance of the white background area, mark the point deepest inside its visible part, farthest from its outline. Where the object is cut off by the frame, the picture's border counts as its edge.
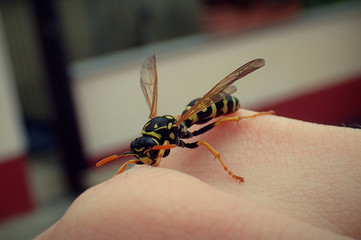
(302, 55)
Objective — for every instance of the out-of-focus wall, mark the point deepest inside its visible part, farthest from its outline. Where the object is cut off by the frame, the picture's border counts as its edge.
(306, 54)
(12, 143)
(11, 135)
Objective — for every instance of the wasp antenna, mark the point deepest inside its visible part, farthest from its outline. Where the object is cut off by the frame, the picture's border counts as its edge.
(166, 147)
(111, 158)
(159, 147)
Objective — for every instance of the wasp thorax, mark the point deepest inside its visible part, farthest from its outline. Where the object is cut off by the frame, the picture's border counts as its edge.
(162, 128)
(159, 124)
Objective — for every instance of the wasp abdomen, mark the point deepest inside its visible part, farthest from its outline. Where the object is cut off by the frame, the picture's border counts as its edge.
(224, 106)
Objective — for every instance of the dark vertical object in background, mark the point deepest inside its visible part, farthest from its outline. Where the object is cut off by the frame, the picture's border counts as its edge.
(59, 83)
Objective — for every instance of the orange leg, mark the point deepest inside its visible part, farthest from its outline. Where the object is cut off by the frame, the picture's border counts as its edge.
(239, 118)
(161, 152)
(124, 166)
(217, 155)
(225, 119)
(212, 150)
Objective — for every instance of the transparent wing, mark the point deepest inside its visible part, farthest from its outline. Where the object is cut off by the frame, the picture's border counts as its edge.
(149, 84)
(214, 94)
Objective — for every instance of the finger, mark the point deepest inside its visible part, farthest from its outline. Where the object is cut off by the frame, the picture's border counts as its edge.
(309, 171)
(149, 203)
(47, 233)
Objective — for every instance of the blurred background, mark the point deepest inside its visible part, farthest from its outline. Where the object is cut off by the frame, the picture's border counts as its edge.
(69, 81)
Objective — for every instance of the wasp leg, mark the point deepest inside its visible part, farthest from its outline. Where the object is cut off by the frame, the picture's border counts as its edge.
(124, 166)
(161, 153)
(235, 118)
(239, 118)
(215, 154)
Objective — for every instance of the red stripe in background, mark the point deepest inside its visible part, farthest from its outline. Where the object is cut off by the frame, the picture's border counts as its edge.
(15, 193)
(335, 105)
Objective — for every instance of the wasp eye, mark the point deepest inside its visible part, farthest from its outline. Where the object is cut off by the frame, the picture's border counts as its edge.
(141, 144)
(147, 142)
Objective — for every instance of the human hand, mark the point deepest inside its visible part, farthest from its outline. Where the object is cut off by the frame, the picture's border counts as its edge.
(301, 182)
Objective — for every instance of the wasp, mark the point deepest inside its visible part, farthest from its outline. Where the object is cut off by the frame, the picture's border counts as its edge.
(162, 133)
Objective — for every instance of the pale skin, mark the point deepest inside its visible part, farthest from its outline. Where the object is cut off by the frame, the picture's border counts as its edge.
(301, 181)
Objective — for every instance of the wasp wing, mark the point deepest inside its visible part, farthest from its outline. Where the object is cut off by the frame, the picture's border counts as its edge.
(224, 85)
(149, 84)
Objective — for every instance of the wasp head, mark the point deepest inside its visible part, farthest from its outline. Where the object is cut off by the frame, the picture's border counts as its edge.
(140, 147)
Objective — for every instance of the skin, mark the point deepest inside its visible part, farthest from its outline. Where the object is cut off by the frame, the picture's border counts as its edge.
(302, 181)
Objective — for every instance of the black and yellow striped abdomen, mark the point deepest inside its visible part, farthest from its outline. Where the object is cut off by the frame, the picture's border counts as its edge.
(224, 106)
